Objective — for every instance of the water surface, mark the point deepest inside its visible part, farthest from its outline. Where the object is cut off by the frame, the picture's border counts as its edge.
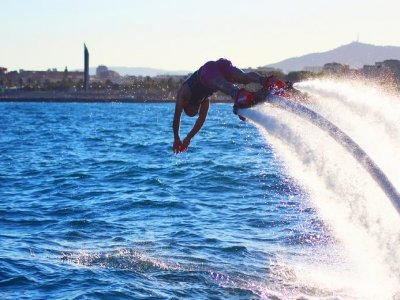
(95, 205)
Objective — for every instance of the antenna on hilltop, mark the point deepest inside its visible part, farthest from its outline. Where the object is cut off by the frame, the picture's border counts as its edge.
(358, 38)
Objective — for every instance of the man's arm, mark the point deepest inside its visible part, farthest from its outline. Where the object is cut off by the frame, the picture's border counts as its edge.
(180, 99)
(203, 111)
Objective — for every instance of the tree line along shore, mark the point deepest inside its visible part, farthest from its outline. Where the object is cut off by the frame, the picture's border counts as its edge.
(67, 88)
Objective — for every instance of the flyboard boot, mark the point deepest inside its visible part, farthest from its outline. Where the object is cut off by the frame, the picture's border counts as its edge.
(284, 89)
(246, 99)
(274, 85)
(243, 99)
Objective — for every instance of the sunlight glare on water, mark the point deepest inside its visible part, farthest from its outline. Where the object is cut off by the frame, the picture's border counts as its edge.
(366, 262)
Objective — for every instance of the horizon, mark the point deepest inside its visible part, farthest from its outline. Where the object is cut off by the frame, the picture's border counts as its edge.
(148, 70)
(173, 37)
(93, 68)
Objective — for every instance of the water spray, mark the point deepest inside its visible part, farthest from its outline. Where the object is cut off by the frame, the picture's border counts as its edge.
(342, 138)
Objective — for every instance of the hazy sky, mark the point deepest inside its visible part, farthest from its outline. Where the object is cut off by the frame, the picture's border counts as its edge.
(183, 34)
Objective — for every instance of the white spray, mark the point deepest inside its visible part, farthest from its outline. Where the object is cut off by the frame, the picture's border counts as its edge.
(349, 201)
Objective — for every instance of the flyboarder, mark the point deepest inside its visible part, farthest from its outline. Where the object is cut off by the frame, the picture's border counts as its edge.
(194, 95)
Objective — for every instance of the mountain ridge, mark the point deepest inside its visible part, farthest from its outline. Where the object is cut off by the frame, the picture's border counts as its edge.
(355, 54)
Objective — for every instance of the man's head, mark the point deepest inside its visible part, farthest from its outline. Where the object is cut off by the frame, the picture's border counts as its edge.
(191, 110)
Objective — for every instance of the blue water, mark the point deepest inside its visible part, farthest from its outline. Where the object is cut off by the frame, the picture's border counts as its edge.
(95, 205)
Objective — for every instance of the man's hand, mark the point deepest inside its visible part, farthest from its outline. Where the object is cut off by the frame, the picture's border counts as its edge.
(185, 144)
(181, 146)
(177, 147)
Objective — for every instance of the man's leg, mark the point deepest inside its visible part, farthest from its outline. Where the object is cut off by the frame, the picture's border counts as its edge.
(242, 98)
(221, 84)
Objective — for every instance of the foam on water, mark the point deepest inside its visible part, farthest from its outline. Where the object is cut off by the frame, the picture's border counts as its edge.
(364, 263)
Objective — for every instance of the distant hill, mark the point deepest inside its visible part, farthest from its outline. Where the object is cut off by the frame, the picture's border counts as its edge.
(354, 54)
(139, 71)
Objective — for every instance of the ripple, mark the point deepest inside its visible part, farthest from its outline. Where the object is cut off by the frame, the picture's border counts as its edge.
(16, 281)
(235, 249)
(153, 204)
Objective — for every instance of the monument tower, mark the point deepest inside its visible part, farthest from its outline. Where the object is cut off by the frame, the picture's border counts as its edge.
(86, 70)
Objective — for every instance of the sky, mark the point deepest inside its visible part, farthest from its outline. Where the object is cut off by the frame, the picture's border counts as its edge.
(184, 34)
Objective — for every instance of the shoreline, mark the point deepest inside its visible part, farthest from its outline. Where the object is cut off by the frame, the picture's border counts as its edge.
(97, 97)
(82, 100)
(94, 100)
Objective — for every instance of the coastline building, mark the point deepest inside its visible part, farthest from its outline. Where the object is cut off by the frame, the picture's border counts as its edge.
(3, 71)
(86, 69)
(24, 78)
(103, 73)
(51, 75)
(335, 68)
(388, 69)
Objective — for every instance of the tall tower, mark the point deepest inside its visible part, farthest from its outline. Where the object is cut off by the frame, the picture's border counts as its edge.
(86, 71)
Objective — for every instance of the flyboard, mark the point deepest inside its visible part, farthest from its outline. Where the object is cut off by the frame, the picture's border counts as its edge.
(342, 138)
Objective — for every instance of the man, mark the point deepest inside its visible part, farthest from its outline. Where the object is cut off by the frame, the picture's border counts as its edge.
(193, 96)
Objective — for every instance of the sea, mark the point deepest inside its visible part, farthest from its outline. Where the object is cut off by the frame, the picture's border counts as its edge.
(94, 204)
